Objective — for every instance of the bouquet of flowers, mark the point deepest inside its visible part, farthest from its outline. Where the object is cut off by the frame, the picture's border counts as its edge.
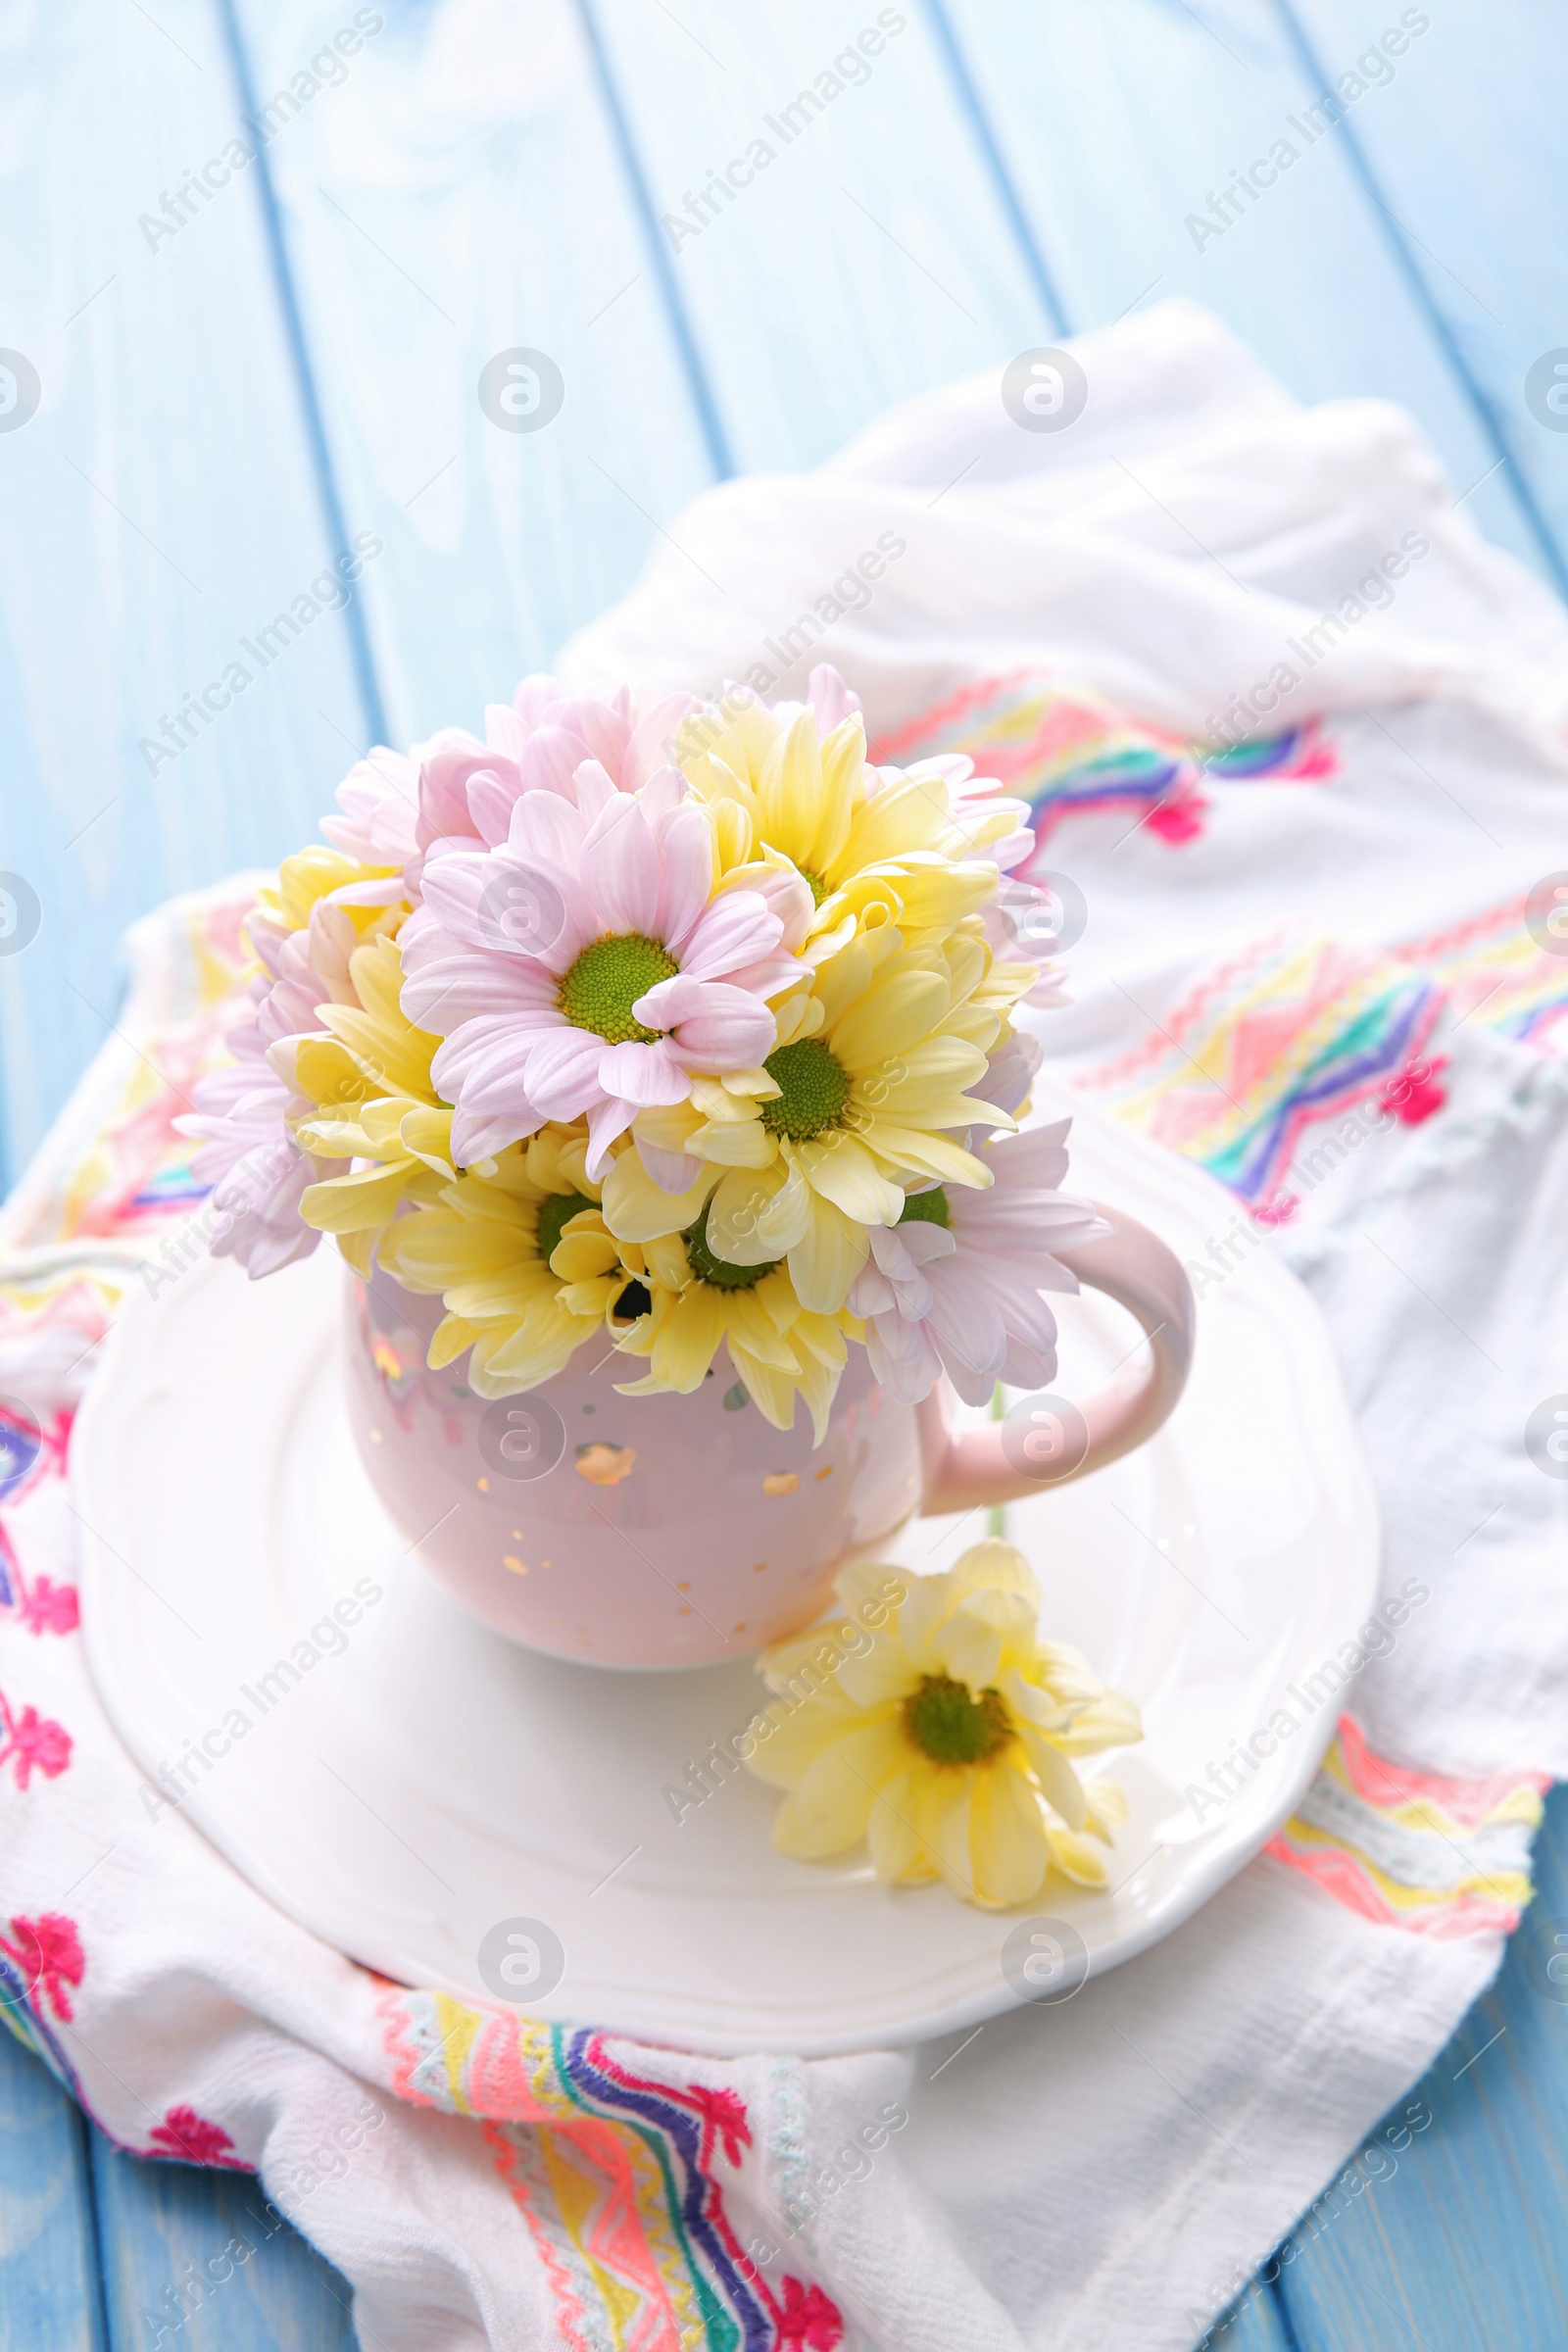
(683, 1025)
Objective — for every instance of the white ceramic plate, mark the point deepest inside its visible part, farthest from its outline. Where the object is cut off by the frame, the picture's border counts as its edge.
(424, 1780)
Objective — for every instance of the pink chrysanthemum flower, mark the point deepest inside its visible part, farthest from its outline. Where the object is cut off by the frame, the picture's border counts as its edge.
(1018, 920)
(393, 809)
(257, 1172)
(394, 806)
(467, 789)
(586, 968)
(955, 1285)
(376, 824)
(249, 1156)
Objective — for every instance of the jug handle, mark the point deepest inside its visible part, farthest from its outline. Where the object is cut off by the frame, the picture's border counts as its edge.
(963, 1468)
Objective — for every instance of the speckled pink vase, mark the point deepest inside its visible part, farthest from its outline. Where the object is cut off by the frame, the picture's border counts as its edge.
(682, 1531)
(625, 1530)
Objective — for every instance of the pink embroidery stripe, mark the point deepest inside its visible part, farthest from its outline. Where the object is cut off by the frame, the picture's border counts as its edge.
(888, 750)
(1466, 1803)
(1348, 1881)
(1420, 1851)
(619, 2249)
(1508, 915)
(1206, 995)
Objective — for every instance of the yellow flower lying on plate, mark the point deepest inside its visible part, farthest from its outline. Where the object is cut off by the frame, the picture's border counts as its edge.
(946, 1737)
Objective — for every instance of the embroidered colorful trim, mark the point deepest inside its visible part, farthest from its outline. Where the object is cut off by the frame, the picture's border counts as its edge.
(1437, 1857)
(40, 1965)
(1067, 752)
(31, 1743)
(130, 1169)
(615, 2169)
(1496, 973)
(1290, 1032)
(189, 2138)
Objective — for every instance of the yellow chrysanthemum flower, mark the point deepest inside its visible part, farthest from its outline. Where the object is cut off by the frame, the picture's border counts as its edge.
(876, 846)
(776, 1346)
(867, 1082)
(369, 1076)
(318, 874)
(945, 1739)
(522, 1262)
(324, 904)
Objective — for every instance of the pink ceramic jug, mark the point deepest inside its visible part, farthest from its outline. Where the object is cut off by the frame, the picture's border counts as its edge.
(680, 1531)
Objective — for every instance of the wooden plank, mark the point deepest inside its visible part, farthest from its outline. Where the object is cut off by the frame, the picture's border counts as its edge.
(1119, 125)
(49, 2297)
(1253, 2324)
(1465, 156)
(158, 509)
(1460, 2248)
(862, 254)
(203, 2256)
(456, 196)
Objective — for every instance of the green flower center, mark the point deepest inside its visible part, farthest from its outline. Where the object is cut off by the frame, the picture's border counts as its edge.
(718, 1270)
(814, 883)
(605, 982)
(813, 1088)
(555, 1216)
(950, 1724)
(926, 1208)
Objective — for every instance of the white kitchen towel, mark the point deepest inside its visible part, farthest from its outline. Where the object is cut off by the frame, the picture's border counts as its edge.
(1291, 735)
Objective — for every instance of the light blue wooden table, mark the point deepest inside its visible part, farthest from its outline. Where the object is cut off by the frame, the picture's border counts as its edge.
(245, 365)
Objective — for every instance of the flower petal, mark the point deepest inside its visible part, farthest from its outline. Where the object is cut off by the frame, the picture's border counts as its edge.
(604, 724)
(1077, 1859)
(728, 1030)
(546, 825)
(491, 802)
(550, 759)
(1009, 1851)
(476, 1135)
(607, 1121)
(620, 867)
(685, 876)
(642, 1074)
(639, 1210)
(832, 1804)
(944, 1818)
(902, 1358)
(897, 1852)
(881, 1672)
(650, 745)
(826, 1259)
(1063, 1789)
(740, 1215)
(840, 1168)
(1111, 1720)
(594, 787)
(791, 1734)
(453, 885)
(967, 1321)
(562, 1071)
(931, 1601)
(967, 1650)
(995, 1566)
(894, 1016)
(738, 928)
